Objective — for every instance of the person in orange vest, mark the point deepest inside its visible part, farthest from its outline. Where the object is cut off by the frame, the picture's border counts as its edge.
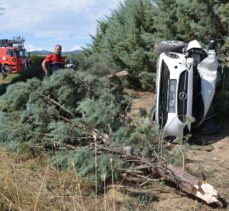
(55, 60)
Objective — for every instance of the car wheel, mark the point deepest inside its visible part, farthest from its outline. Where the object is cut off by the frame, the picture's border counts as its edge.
(169, 46)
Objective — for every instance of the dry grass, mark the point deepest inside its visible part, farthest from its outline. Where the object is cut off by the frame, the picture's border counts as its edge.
(32, 184)
(35, 185)
(141, 100)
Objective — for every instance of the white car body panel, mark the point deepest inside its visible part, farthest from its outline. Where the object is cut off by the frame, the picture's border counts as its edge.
(207, 70)
(175, 127)
(208, 73)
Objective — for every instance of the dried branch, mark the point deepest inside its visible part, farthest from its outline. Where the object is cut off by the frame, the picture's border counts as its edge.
(178, 176)
(49, 99)
(118, 74)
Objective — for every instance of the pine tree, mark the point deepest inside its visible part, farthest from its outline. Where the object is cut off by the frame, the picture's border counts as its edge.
(124, 40)
(166, 19)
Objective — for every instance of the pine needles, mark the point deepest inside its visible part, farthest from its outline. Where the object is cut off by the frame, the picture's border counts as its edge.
(64, 114)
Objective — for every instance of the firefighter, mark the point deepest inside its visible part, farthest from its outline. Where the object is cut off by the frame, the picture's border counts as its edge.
(55, 60)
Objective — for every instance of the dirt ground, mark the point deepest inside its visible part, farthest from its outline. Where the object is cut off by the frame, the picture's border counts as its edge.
(209, 160)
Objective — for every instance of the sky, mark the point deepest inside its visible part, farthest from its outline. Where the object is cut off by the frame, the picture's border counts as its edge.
(45, 23)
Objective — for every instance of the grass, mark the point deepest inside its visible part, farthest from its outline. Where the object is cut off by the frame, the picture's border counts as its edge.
(9, 78)
(34, 185)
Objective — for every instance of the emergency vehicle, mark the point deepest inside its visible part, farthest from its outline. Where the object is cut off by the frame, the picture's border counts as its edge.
(13, 55)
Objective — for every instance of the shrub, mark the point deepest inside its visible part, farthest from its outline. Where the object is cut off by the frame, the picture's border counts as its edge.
(147, 80)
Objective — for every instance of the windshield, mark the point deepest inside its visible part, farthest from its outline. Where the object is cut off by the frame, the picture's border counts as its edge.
(23, 53)
(13, 53)
(10, 53)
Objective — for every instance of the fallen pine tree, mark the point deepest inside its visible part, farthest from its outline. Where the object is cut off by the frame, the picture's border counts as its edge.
(157, 165)
(81, 120)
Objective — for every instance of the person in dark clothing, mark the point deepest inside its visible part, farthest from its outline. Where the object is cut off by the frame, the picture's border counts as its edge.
(55, 60)
(28, 62)
(4, 69)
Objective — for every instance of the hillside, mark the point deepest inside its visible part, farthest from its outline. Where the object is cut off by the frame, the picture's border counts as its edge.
(44, 52)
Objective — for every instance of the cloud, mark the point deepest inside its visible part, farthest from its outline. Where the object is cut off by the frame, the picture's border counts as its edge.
(58, 20)
(78, 47)
(38, 15)
(32, 48)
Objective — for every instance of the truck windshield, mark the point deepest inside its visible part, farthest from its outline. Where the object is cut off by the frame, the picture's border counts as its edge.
(23, 53)
(10, 53)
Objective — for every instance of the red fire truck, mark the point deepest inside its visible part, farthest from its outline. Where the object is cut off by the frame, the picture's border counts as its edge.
(13, 55)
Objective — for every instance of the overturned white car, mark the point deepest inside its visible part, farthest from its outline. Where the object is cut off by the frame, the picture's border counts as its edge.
(185, 85)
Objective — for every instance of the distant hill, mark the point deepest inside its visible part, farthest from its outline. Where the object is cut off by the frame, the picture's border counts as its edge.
(40, 53)
(66, 53)
(44, 52)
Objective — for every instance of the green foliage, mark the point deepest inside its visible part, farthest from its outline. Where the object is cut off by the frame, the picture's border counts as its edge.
(107, 118)
(35, 71)
(75, 59)
(187, 20)
(67, 88)
(36, 60)
(65, 133)
(29, 105)
(60, 112)
(17, 96)
(94, 169)
(166, 19)
(143, 139)
(147, 80)
(176, 156)
(125, 40)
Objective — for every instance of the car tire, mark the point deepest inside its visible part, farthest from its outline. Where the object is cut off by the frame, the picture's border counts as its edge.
(169, 46)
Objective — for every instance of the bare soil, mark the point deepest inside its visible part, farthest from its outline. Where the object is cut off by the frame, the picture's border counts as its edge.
(209, 160)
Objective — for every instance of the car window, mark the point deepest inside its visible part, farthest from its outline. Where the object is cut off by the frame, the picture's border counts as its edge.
(10, 53)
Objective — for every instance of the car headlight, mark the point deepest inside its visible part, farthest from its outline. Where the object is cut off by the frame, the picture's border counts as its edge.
(172, 95)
